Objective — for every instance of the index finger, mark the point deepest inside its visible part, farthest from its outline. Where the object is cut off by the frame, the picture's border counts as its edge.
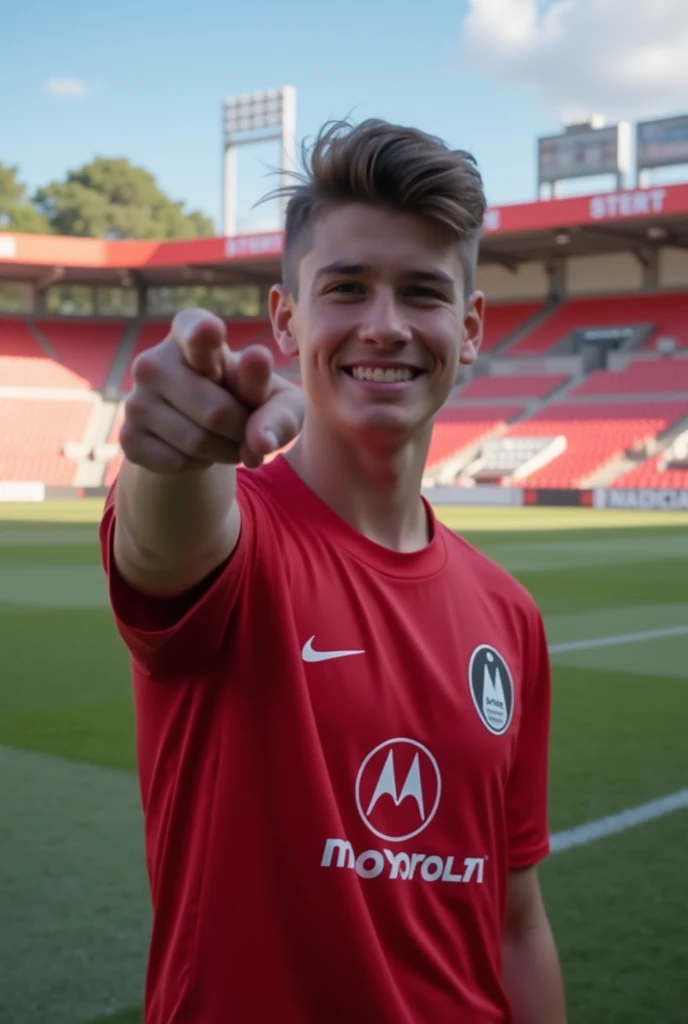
(202, 338)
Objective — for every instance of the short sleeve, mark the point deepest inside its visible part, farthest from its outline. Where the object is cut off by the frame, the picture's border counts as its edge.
(527, 789)
(173, 638)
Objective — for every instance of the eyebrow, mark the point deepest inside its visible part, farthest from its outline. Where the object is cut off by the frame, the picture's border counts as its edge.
(429, 274)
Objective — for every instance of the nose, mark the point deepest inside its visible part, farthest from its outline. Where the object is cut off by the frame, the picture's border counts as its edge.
(384, 323)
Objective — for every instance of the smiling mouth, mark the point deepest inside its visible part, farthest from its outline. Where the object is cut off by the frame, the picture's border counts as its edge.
(383, 375)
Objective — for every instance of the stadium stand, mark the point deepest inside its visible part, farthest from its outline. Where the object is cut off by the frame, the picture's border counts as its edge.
(503, 320)
(667, 312)
(640, 377)
(539, 408)
(24, 364)
(595, 434)
(648, 474)
(511, 458)
(33, 433)
(87, 348)
(512, 386)
(457, 428)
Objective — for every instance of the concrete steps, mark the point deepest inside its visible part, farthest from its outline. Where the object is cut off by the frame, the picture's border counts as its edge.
(113, 381)
(621, 464)
(90, 471)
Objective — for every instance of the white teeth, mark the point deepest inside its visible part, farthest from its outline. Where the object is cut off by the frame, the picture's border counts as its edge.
(382, 376)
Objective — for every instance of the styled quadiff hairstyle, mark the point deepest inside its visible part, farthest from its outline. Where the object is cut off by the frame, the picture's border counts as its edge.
(388, 165)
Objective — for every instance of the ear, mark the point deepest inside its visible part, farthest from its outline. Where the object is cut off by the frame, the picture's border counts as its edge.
(281, 308)
(473, 322)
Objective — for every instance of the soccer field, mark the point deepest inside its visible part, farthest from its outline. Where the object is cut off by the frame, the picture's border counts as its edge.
(613, 588)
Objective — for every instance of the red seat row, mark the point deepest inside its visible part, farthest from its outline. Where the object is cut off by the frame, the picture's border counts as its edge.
(595, 434)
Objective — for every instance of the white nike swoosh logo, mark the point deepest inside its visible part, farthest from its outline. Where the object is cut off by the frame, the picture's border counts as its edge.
(309, 654)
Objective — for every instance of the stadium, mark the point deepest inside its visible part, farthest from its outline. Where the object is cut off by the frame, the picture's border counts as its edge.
(581, 391)
(563, 455)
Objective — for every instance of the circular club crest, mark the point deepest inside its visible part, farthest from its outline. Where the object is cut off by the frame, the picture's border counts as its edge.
(492, 688)
(398, 789)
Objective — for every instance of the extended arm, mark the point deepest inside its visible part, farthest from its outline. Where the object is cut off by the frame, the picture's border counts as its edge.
(195, 412)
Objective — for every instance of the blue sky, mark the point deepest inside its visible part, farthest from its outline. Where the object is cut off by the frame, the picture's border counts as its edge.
(149, 78)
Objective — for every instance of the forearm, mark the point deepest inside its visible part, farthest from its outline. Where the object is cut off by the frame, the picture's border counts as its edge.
(172, 530)
(532, 976)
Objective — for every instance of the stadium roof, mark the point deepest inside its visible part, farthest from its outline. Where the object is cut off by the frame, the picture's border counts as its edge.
(606, 222)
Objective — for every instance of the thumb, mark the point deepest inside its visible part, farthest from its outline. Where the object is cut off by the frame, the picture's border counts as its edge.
(201, 337)
(249, 375)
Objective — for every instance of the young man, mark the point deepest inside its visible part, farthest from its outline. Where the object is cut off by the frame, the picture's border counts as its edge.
(342, 708)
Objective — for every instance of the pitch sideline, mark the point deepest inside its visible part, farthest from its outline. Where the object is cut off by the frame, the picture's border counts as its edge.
(613, 824)
(621, 638)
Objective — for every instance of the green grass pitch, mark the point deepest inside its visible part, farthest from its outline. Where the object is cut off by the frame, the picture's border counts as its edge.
(73, 901)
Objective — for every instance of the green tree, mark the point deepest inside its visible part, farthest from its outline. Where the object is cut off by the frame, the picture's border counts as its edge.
(110, 198)
(16, 211)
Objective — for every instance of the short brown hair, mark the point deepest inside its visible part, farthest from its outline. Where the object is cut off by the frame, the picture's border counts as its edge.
(386, 165)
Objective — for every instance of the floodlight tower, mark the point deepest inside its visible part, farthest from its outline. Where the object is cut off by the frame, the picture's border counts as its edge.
(255, 117)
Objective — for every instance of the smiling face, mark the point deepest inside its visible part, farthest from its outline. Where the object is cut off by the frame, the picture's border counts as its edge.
(381, 321)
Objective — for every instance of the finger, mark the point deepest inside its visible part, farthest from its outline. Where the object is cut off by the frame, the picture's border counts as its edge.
(155, 455)
(177, 430)
(205, 403)
(202, 339)
(275, 424)
(249, 375)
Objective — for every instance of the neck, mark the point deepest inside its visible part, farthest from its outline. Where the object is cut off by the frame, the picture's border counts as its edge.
(376, 490)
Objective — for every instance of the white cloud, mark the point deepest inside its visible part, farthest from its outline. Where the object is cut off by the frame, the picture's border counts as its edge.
(67, 88)
(620, 58)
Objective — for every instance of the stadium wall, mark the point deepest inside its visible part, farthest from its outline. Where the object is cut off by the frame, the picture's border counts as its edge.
(661, 499)
(645, 499)
(673, 268)
(528, 281)
(479, 496)
(597, 275)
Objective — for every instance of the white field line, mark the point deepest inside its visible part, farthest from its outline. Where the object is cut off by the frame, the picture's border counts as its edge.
(622, 638)
(581, 835)
(590, 832)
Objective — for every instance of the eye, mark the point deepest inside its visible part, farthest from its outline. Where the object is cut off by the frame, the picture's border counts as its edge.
(419, 291)
(346, 288)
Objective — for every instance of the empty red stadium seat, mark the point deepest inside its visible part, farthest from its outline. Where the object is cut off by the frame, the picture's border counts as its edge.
(32, 434)
(648, 474)
(595, 434)
(503, 320)
(86, 347)
(667, 311)
(24, 364)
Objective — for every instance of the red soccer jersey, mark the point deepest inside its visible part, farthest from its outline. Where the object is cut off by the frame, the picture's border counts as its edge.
(342, 752)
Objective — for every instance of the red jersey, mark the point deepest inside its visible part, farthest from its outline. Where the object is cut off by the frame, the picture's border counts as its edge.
(342, 752)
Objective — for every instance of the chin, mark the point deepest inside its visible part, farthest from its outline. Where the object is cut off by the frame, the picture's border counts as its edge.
(386, 425)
